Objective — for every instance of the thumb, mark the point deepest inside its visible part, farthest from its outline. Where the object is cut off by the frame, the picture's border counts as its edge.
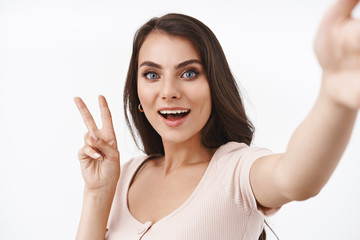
(340, 10)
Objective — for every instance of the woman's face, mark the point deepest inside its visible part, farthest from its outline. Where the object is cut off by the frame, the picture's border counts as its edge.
(173, 88)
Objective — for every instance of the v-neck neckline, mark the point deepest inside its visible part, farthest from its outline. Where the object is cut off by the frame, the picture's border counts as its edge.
(178, 209)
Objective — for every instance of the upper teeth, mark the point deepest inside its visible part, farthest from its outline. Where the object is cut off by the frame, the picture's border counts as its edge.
(173, 111)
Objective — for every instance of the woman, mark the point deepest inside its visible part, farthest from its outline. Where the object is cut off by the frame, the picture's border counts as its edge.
(199, 178)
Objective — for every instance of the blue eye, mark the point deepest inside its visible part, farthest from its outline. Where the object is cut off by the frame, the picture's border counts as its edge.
(151, 75)
(190, 74)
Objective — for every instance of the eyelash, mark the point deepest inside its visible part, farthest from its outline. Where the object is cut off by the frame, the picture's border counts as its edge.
(192, 70)
(146, 73)
(189, 70)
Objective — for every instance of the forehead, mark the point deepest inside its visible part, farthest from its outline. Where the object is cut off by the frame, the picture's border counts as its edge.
(165, 49)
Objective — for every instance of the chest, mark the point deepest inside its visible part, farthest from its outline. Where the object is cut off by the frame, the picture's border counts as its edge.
(152, 197)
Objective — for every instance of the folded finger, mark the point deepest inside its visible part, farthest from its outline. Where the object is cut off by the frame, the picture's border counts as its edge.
(102, 147)
(88, 152)
(86, 115)
(351, 36)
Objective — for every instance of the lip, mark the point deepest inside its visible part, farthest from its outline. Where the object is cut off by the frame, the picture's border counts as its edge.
(172, 108)
(177, 122)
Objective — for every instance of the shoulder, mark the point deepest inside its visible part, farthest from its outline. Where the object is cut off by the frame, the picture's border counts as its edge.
(129, 167)
(238, 152)
(233, 163)
(133, 162)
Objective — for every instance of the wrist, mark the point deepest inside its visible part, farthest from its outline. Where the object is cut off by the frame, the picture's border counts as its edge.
(103, 197)
(338, 88)
(101, 187)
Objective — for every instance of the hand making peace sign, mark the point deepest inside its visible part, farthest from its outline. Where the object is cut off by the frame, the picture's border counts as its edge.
(99, 157)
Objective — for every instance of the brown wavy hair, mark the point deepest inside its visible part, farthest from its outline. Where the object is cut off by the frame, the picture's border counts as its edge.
(228, 120)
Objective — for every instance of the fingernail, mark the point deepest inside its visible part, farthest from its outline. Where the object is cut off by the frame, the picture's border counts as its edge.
(94, 136)
(96, 155)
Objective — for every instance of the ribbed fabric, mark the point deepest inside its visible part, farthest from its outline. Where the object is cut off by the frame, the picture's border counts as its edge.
(222, 206)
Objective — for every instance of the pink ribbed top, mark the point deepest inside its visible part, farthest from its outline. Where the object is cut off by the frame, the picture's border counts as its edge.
(222, 205)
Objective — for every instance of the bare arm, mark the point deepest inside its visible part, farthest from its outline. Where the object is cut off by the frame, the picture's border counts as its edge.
(313, 152)
(100, 167)
(95, 214)
(317, 145)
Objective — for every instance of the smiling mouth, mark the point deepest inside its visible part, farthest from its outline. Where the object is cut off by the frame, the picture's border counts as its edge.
(173, 115)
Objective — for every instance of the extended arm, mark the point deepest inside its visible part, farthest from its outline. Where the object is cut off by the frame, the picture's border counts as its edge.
(317, 145)
(313, 152)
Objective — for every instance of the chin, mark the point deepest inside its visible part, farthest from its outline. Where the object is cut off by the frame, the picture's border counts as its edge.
(179, 137)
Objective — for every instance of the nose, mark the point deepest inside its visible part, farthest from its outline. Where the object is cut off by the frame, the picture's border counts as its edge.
(170, 89)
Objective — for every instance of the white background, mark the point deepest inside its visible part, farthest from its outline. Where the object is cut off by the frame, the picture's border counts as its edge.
(51, 51)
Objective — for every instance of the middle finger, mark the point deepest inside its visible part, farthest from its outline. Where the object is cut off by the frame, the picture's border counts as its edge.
(105, 114)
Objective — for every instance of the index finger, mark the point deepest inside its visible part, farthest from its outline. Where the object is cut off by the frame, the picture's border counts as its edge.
(86, 115)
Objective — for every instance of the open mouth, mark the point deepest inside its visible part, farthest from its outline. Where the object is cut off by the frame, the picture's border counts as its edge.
(173, 115)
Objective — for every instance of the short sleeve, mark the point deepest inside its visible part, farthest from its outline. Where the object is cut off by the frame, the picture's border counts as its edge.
(249, 157)
(235, 175)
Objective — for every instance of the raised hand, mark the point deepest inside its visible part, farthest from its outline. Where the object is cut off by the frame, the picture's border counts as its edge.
(337, 46)
(99, 157)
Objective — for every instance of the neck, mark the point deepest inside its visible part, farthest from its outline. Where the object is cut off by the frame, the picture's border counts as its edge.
(179, 155)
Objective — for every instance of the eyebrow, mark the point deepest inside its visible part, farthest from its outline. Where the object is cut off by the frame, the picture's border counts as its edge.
(180, 65)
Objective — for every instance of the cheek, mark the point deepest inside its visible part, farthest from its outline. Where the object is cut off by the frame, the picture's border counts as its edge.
(202, 97)
(146, 94)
